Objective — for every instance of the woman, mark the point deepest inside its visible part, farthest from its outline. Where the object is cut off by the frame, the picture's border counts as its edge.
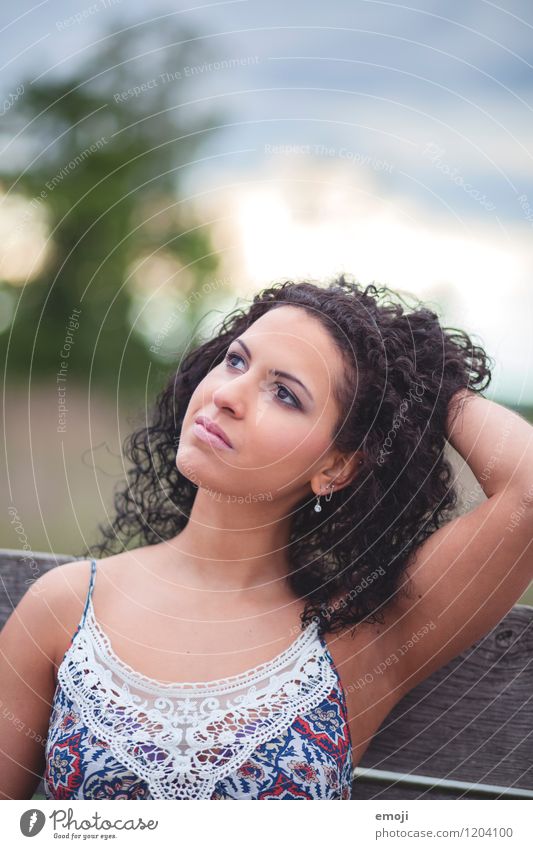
(290, 505)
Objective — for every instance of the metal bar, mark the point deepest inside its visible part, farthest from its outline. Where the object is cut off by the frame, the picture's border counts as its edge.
(383, 776)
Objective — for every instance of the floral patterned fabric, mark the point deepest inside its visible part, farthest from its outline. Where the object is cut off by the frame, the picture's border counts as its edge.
(106, 749)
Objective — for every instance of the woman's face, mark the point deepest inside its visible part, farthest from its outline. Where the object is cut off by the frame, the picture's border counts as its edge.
(279, 429)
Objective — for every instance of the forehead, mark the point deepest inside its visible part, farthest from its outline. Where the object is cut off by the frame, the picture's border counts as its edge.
(295, 338)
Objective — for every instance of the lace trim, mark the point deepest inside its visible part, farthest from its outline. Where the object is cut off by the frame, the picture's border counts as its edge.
(214, 687)
(183, 746)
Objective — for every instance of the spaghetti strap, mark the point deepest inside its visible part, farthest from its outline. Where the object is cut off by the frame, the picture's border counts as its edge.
(90, 591)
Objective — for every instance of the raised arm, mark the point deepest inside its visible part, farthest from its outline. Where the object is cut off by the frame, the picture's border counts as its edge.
(469, 573)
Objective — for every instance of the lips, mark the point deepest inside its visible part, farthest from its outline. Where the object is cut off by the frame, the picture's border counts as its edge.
(212, 427)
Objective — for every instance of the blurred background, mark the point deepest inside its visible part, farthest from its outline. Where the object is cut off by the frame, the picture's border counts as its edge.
(160, 165)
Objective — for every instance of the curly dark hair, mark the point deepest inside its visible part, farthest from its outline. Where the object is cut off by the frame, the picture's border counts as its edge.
(402, 369)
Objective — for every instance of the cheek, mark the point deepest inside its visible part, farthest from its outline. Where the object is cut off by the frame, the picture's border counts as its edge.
(290, 444)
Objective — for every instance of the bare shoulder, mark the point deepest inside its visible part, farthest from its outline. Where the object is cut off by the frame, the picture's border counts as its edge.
(54, 589)
(63, 578)
(32, 632)
(69, 582)
(64, 588)
(63, 591)
(59, 595)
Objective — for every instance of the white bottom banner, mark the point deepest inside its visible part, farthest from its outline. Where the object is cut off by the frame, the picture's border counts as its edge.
(360, 823)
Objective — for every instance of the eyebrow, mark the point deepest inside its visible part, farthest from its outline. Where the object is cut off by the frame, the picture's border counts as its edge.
(275, 372)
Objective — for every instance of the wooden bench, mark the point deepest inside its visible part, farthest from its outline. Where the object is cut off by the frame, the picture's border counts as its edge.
(464, 732)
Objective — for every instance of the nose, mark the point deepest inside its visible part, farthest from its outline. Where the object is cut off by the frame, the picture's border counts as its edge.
(229, 397)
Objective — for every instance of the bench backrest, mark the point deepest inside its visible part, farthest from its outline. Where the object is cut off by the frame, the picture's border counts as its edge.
(464, 732)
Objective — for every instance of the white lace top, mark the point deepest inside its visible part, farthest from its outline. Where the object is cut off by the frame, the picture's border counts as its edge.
(279, 730)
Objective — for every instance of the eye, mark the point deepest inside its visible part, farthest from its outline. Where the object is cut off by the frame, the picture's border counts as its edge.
(230, 355)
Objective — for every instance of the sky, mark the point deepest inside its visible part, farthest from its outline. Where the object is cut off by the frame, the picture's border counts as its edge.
(391, 140)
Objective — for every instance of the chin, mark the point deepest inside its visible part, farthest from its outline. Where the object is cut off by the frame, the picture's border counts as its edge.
(186, 463)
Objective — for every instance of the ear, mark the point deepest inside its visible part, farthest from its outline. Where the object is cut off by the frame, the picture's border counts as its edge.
(338, 473)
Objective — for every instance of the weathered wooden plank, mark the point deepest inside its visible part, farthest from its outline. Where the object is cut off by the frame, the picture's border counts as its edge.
(471, 720)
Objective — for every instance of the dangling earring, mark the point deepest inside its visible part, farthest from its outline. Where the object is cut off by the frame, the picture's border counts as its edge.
(318, 507)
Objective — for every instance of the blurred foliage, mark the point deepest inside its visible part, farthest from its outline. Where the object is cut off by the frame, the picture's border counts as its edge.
(106, 206)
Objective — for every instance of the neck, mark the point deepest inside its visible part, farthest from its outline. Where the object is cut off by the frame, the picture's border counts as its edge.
(227, 545)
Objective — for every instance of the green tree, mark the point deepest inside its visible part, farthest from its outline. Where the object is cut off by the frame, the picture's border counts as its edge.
(111, 140)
